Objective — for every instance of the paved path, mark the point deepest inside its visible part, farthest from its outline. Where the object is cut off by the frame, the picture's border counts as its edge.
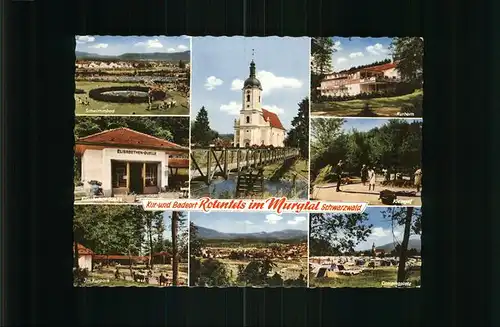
(360, 193)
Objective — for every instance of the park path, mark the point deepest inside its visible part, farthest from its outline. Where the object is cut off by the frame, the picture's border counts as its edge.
(360, 193)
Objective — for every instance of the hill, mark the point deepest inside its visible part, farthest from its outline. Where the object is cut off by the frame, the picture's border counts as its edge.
(282, 235)
(154, 56)
(412, 244)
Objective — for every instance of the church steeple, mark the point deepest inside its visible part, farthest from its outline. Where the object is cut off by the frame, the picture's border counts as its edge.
(252, 69)
(252, 81)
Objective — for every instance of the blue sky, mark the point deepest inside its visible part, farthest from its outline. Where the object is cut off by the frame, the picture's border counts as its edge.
(221, 64)
(117, 45)
(364, 125)
(382, 231)
(228, 222)
(359, 51)
(167, 234)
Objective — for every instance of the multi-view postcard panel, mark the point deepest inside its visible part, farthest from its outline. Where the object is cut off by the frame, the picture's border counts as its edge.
(250, 103)
(242, 118)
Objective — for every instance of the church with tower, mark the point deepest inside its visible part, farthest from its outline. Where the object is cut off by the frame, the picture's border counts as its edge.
(256, 125)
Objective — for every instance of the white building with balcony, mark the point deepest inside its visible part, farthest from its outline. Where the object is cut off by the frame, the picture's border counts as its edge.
(364, 80)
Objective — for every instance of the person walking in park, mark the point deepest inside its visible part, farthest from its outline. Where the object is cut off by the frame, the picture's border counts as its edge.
(364, 174)
(371, 179)
(338, 173)
(418, 179)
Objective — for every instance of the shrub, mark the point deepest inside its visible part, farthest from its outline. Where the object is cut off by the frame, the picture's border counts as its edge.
(79, 91)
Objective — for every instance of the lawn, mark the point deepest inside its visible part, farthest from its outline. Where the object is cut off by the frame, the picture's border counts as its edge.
(368, 278)
(383, 107)
(99, 108)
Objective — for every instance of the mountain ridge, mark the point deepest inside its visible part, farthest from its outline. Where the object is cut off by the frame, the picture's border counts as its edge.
(285, 234)
(152, 56)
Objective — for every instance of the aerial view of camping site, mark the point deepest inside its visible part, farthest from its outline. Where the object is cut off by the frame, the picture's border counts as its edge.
(132, 75)
(250, 117)
(378, 248)
(248, 249)
(127, 246)
(367, 77)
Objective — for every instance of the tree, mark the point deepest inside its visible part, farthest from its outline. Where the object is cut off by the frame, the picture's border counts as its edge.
(182, 64)
(175, 259)
(195, 243)
(342, 231)
(298, 136)
(321, 62)
(200, 130)
(410, 218)
(409, 53)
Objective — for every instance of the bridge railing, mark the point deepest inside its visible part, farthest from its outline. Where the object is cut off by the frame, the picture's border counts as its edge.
(207, 161)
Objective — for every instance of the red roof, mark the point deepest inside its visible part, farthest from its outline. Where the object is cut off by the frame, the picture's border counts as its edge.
(178, 163)
(82, 250)
(381, 68)
(272, 118)
(128, 137)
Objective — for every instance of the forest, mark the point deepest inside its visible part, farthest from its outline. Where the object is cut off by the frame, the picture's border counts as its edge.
(395, 144)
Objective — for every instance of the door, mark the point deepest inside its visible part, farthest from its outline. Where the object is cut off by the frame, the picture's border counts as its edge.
(136, 184)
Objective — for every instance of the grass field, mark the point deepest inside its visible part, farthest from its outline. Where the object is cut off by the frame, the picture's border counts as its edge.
(299, 167)
(368, 278)
(383, 107)
(99, 108)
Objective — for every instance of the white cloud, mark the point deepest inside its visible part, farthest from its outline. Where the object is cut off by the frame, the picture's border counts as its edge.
(275, 109)
(377, 49)
(337, 46)
(270, 82)
(84, 39)
(186, 37)
(99, 46)
(154, 43)
(341, 60)
(379, 232)
(273, 218)
(248, 222)
(236, 85)
(231, 108)
(212, 82)
(182, 47)
(297, 220)
(356, 55)
(170, 50)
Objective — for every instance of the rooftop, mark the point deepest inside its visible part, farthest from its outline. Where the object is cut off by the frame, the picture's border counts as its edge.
(272, 118)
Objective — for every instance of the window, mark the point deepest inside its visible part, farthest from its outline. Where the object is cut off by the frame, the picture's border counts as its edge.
(248, 97)
(151, 174)
(259, 99)
(119, 174)
(248, 119)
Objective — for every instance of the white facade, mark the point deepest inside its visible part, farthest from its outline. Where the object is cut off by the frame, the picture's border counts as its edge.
(85, 261)
(364, 80)
(96, 164)
(256, 126)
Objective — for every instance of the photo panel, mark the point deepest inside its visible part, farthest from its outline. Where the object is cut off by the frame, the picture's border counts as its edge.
(248, 249)
(250, 117)
(380, 248)
(123, 245)
(129, 159)
(367, 77)
(132, 75)
(371, 160)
